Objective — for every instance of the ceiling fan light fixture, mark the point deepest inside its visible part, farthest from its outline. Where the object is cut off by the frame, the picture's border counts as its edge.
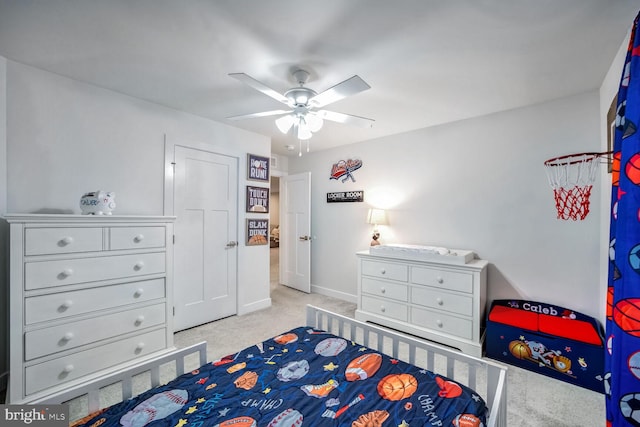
(314, 122)
(284, 123)
(303, 131)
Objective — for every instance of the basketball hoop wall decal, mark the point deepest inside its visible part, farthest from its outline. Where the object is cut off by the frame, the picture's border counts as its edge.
(572, 177)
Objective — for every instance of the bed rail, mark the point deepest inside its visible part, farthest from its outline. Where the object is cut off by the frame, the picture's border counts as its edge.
(488, 378)
(149, 370)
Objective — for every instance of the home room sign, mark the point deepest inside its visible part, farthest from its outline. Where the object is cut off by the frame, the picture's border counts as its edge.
(345, 196)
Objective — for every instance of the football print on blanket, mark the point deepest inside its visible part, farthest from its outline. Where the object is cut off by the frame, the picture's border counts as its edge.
(363, 367)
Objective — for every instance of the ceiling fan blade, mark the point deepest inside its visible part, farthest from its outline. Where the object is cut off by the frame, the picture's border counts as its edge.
(345, 118)
(349, 87)
(250, 81)
(262, 114)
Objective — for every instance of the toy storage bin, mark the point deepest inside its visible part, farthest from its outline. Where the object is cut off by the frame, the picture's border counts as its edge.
(548, 339)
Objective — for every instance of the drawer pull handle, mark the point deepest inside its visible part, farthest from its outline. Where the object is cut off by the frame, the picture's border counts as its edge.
(138, 266)
(439, 301)
(139, 347)
(138, 293)
(382, 309)
(66, 305)
(66, 241)
(68, 369)
(139, 320)
(440, 279)
(139, 238)
(439, 323)
(383, 271)
(68, 336)
(67, 272)
(383, 290)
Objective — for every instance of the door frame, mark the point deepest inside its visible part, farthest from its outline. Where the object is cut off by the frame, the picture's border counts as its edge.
(168, 208)
(285, 247)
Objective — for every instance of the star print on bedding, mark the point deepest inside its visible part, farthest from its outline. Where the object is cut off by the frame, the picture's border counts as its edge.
(302, 377)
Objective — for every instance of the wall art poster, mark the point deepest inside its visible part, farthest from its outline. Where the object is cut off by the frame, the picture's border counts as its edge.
(257, 168)
(257, 232)
(257, 199)
(344, 169)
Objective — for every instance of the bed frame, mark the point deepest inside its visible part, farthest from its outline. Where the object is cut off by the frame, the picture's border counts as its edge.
(487, 378)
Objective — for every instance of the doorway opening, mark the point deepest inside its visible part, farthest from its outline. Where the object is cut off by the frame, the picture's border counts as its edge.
(274, 233)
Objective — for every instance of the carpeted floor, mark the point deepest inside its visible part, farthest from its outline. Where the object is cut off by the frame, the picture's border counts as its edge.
(533, 400)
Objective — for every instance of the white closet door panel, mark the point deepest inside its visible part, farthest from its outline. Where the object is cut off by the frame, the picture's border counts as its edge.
(66, 272)
(41, 342)
(41, 241)
(55, 306)
(136, 237)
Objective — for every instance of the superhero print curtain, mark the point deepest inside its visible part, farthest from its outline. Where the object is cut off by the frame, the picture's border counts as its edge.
(622, 355)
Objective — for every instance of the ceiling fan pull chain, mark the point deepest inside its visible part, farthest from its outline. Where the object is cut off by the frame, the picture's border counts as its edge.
(299, 148)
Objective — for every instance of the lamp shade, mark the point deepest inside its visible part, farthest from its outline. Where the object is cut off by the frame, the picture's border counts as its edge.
(284, 123)
(377, 217)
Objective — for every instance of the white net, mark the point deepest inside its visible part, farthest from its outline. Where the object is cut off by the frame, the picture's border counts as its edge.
(573, 170)
(571, 178)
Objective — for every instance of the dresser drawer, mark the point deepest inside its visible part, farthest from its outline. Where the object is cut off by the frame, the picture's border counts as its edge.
(57, 371)
(66, 272)
(136, 237)
(387, 270)
(435, 298)
(59, 305)
(49, 240)
(446, 279)
(379, 288)
(442, 322)
(51, 340)
(385, 308)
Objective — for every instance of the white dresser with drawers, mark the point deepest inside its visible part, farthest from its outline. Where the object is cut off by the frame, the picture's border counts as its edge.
(88, 295)
(437, 300)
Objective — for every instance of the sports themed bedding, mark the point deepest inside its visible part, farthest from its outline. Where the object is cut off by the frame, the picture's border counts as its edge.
(302, 377)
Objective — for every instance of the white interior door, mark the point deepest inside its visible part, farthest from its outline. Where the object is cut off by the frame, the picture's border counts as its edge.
(295, 233)
(205, 250)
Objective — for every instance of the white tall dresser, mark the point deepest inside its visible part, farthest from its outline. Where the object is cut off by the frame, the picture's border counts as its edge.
(88, 295)
(438, 299)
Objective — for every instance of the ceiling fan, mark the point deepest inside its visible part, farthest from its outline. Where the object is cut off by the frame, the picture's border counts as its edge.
(304, 114)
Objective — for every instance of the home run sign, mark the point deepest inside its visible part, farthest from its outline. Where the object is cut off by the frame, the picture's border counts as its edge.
(345, 196)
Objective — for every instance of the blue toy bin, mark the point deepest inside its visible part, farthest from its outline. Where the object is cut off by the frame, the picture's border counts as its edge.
(548, 339)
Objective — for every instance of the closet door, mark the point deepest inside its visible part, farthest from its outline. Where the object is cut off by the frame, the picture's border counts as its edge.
(205, 250)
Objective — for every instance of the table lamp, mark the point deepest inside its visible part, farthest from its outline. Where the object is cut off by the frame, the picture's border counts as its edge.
(376, 217)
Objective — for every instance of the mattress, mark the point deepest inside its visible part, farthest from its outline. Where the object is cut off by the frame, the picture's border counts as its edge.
(304, 376)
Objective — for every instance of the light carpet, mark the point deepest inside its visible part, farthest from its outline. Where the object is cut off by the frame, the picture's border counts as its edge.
(534, 400)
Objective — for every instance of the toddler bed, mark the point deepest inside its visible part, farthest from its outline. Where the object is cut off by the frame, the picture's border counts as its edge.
(336, 371)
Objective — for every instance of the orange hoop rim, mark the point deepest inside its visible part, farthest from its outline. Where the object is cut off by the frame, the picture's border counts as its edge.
(572, 159)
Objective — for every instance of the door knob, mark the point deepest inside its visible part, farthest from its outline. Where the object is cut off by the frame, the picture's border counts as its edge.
(232, 244)
(305, 237)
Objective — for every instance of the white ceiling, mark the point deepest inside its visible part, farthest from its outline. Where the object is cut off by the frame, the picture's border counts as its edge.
(428, 61)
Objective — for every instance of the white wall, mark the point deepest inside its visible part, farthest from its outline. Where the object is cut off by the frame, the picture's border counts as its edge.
(66, 137)
(476, 184)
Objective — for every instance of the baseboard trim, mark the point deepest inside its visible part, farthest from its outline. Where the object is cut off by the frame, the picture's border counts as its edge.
(254, 306)
(334, 294)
